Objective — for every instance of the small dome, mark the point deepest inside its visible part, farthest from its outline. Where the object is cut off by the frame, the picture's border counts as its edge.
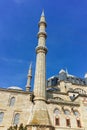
(62, 71)
(15, 88)
(85, 75)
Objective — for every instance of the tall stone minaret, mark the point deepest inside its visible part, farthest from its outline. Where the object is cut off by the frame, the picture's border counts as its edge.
(40, 117)
(41, 50)
(29, 77)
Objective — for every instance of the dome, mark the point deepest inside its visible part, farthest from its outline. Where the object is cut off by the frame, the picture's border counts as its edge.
(15, 88)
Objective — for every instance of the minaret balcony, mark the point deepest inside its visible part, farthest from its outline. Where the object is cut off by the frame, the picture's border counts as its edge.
(41, 49)
(42, 34)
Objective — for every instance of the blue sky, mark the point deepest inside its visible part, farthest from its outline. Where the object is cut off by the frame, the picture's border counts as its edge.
(66, 42)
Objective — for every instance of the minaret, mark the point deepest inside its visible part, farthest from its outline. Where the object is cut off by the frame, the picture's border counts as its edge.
(41, 50)
(40, 117)
(29, 77)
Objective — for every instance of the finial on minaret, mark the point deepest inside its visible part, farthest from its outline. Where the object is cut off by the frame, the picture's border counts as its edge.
(28, 86)
(85, 75)
(66, 71)
(42, 19)
(42, 15)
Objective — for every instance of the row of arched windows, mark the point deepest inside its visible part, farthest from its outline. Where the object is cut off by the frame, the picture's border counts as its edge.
(67, 117)
(15, 120)
(66, 112)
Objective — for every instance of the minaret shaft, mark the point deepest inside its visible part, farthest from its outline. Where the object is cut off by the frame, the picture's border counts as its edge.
(40, 77)
(29, 77)
(40, 73)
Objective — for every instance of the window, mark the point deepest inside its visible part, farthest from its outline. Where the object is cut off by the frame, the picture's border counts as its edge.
(68, 122)
(67, 112)
(12, 101)
(16, 119)
(78, 123)
(56, 115)
(56, 111)
(1, 116)
(76, 113)
(57, 121)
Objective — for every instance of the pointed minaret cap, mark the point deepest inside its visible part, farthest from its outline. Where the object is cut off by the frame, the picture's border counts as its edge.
(30, 70)
(85, 76)
(42, 19)
(66, 71)
(42, 15)
(29, 77)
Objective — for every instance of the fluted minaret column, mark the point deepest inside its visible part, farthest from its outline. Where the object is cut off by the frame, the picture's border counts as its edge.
(41, 50)
(40, 116)
(29, 77)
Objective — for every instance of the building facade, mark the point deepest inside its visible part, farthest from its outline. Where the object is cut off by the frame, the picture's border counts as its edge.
(58, 103)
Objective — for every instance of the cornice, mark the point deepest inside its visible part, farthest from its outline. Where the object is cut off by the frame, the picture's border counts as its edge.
(52, 101)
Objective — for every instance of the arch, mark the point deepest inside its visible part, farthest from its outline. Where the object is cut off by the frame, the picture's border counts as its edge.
(16, 119)
(57, 116)
(66, 112)
(12, 101)
(56, 111)
(80, 91)
(76, 113)
(1, 116)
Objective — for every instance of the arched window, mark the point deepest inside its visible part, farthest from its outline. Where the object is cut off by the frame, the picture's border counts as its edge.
(16, 119)
(56, 111)
(76, 113)
(1, 116)
(57, 119)
(66, 112)
(12, 101)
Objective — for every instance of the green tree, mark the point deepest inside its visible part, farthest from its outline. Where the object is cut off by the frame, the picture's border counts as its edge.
(21, 127)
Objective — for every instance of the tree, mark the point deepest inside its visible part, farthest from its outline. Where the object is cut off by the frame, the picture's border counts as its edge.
(21, 127)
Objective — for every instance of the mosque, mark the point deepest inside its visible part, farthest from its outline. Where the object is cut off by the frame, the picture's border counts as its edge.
(57, 103)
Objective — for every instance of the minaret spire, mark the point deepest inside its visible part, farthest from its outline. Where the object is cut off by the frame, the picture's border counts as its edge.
(28, 85)
(43, 13)
(40, 116)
